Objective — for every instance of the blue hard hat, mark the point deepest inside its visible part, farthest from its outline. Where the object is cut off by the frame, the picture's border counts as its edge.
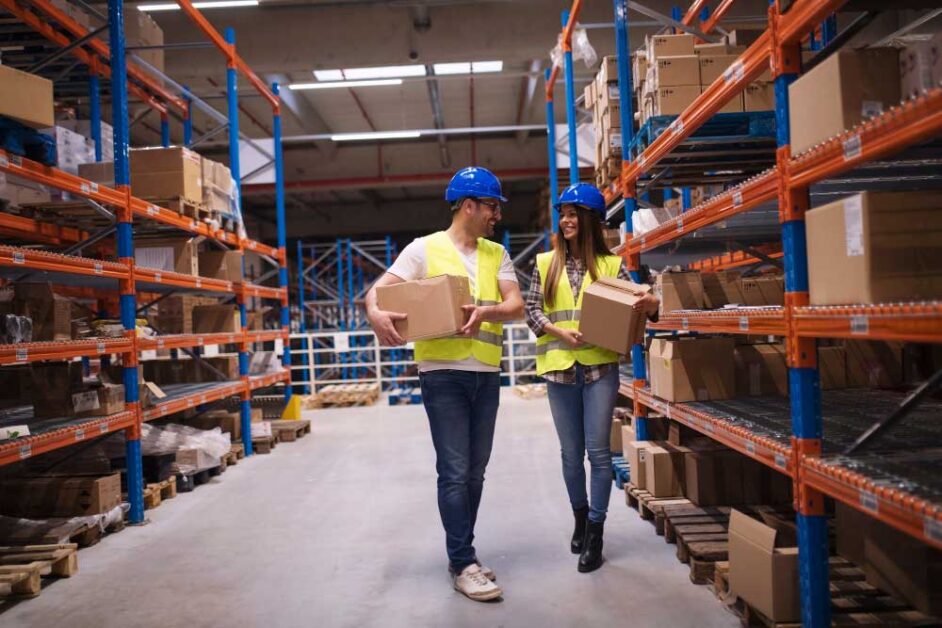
(473, 182)
(585, 195)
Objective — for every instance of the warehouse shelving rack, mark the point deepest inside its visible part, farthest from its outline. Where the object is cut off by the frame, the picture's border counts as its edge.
(123, 275)
(800, 455)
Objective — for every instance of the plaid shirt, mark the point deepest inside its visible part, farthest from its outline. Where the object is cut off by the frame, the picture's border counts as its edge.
(537, 319)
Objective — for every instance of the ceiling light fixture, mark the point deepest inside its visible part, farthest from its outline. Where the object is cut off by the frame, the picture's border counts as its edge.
(468, 67)
(220, 4)
(378, 72)
(376, 135)
(347, 84)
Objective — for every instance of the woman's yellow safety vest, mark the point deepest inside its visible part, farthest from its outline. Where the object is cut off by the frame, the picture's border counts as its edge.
(552, 354)
(444, 259)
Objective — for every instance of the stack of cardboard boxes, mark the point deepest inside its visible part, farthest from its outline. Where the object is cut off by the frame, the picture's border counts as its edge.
(602, 99)
(693, 290)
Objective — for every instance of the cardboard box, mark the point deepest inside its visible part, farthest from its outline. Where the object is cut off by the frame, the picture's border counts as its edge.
(920, 66)
(448, 292)
(763, 567)
(743, 36)
(178, 255)
(734, 105)
(722, 48)
(763, 290)
(721, 288)
(669, 46)
(614, 441)
(27, 98)
(608, 318)
(608, 71)
(84, 128)
(832, 367)
(851, 240)
(20, 192)
(228, 422)
(671, 101)
(175, 314)
(255, 319)
(874, 364)
(72, 150)
(759, 96)
(675, 71)
(761, 370)
(74, 496)
(713, 66)
(639, 68)
(713, 476)
(50, 313)
(195, 458)
(216, 319)
(679, 291)
(627, 435)
(840, 92)
(636, 456)
(101, 172)
(904, 567)
(227, 364)
(692, 369)
(103, 401)
(226, 265)
(167, 173)
(140, 29)
(664, 470)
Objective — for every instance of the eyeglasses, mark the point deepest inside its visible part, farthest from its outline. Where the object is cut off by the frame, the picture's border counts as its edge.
(492, 205)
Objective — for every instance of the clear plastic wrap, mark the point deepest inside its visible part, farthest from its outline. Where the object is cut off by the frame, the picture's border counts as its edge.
(19, 531)
(582, 49)
(171, 438)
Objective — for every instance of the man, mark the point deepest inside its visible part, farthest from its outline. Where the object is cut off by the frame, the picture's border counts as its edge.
(460, 375)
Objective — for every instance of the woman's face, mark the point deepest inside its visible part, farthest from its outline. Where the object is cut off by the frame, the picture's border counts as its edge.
(569, 222)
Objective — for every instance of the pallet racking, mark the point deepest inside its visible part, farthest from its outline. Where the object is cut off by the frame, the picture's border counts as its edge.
(128, 214)
(854, 480)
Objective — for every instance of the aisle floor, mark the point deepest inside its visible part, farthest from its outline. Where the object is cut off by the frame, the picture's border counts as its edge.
(341, 529)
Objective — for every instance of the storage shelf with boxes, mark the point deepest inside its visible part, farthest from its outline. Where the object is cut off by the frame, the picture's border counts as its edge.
(758, 383)
(183, 310)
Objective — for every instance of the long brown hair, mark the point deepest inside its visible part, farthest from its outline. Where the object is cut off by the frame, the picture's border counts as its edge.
(591, 247)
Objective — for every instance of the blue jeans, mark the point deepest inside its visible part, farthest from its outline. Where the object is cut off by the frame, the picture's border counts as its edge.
(462, 413)
(583, 417)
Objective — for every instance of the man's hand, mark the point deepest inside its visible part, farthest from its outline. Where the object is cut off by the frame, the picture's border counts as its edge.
(383, 324)
(475, 316)
(647, 304)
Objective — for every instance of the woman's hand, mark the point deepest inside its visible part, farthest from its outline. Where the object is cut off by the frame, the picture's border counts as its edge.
(647, 304)
(571, 337)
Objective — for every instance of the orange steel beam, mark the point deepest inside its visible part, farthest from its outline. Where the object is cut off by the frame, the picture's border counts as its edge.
(802, 17)
(35, 351)
(101, 49)
(694, 11)
(905, 322)
(716, 16)
(54, 262)
(566, 42)
(233, 59)
(769, 321)
(735, 259)
(22, 448)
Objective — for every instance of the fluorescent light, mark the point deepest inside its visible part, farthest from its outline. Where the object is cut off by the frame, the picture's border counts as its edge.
(220, 4)
(468, 67)
(384, 71)
(376, 135)
(336, 84)
(328, 75)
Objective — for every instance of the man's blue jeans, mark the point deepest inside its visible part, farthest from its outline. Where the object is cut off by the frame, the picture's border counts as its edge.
(462, 412)
(583, 417)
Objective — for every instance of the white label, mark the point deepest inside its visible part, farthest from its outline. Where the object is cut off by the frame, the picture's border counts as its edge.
(680, 225)
(22, 354)
(84, 188)
(25, 452)
(677, 126)
(199, 282)
(750, 448)
(859, 325)
(871, 108)
(152, 210)
(158, 277)
(743, 323)
(103, 428)
(869, 501)
(94, 187)
(933, 529)
(615, 140)
(162, 410)
(709, 426)
(79, 434)
(737, 198)
(642, 161)
(100, 347)
(160, 343)
(341, 342)
(85, 401)
(4, 162)
(685, 323)
(642, 240)
(853, 226)
(852, 147)
(19, 257)
(613, 92)
(189, 403)
(780, 461)
(16, 160)
(99, 269)
(148, 354)
(735, 72)
(202, 399)
(199, 341)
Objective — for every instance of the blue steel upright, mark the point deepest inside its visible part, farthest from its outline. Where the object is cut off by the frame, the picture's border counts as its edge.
(571, 111)
(232, 100)
(282, 234)
(631, 204)
(125, 240)
(803, 379)
(188, 120)
(551, 147)
(302, 316)
(94, 114)
(165, 130)
(351, 309)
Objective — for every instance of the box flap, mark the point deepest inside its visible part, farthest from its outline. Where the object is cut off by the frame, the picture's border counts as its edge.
(752, 530)
(621, 284)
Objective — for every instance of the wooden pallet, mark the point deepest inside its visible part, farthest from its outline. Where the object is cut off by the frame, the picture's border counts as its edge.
(182, 206)
(188, 481)
(345, 395)
(92, 534)
(530, 391)
(239, 450)
(651, 507)
(156, 493)
(289, 431)
(23, 567)
(264, 444)
(854, 602)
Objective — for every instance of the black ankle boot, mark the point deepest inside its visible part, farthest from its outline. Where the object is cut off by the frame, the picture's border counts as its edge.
(578, 533)
(591, 557)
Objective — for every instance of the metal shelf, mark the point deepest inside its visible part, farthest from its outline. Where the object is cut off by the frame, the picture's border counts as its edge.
(267, 335)
(154, 280)
(736, 259)
(182, 397)
(44, 261)
(185, 341)
(262, 292)
(27, 352)
(758, 320)
(60, 434)
(269, 379)
(918, 321)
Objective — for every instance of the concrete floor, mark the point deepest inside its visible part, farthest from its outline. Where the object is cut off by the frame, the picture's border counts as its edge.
(341, 529)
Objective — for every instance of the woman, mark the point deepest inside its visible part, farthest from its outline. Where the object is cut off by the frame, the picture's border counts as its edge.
(582, 380)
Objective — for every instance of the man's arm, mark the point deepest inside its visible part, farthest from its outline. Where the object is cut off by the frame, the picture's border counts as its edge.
(509, 309)
(381, 321)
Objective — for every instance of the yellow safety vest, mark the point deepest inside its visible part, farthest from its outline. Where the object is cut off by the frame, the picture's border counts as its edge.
(444, 259)
(552, 354)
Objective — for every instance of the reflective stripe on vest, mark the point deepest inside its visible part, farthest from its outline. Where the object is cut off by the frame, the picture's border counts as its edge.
(444, 259)
(553, 354)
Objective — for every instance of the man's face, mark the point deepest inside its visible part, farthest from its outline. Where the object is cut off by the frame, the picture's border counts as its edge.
(485, 214)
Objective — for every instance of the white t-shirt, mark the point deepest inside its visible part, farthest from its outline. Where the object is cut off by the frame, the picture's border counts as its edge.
(412, 264)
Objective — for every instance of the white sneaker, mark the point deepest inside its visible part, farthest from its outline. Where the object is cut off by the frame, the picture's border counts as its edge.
(474, 584)
(487, 571)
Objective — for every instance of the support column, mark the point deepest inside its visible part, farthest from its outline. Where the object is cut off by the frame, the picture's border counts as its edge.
(94, 105)
(551, 148)
(571, 109)
(302, 318)
(282, 235)
(165, 130)
(125, 241)
(188, 120)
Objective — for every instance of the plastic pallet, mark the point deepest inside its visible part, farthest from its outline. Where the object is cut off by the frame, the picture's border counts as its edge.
(620, 471)
(726, 127)
(21, 140)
